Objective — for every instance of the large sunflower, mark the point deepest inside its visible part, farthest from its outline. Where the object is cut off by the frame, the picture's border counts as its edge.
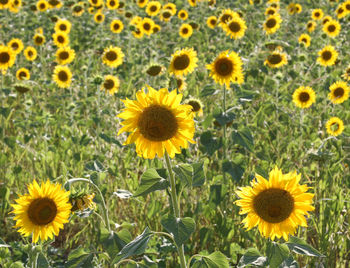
(340, 12)
(43, 211)
(113, 56)
(110, 84)
(276, 60)
(304, 39)
(65, 55)
(16, 45)
(62, 76)
(235, 28)
(185, 30)
(63, 26)
(334, 126)
(332, 28)
(272, 23)
(23, 74)
(278, 205)
(226, 68)
(339, 92)
(7, 58)
(327, 56)
(158, 123)
(30, 53)
(4, 4)
(304, 97)
(183, 62)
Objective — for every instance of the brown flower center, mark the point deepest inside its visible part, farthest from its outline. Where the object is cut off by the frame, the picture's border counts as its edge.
(273, 205)
(181, 62)
(60, 39)
(338, 92)
(4, 57)
(274, 58)
(39, 39)
(225, 17)
(331, 28)
(63, 27)
(166, 14)
(64, 55)
(116, 26)
(15, 45)
(154, 70)
(147, 26)
(270, 23)
(30, 53)
(4, 2)
(153, 8)
(304, 97)
(22, 74)
(157, 123)
(234, 27)
(223, 67)
(42, 211)
(327, 55)
(108, 84)
(195, 105)
(63, 76)
(111, 56)
(185, 31)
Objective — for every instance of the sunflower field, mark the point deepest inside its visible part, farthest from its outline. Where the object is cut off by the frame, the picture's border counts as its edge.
(174, 133)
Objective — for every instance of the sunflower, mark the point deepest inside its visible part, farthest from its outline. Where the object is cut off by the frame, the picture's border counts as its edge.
(30, 53)
(171, 7)
(42, 5)
(96, 3)
(4, 4)
(113, 56)
(77, 10)
(332, 28)
(326, 19)
(276, 60)
(55, 4)
(197, 106)
(183, 15)
(112, 4)
(310, 26)
(16, 45)
(181, 84)
(226, 68)
(226, 15)
(298, 8)
(291, 8)
(339, 92)
(211, 3)
(110, 84)
(327, 56)
(7, 58)
(153, 8)
(317, 14)
(99, 17)
(156, 28)
(334, 126)
(138, 33)
(183, 61)
(346, 74)
(23, 74)
(278, 205)
(15, 6)
(43, 211)
(39, 39)
(63, 26)
(60, 39)
(62, 76)
(185, 30)
(116, 26)
(304, 97)
(235, 28)
(21, 88)
(211, 22)
(272, 23)
(147, 25)
(270, 11)
(192, 3)
(340, 12)
(346, 6)
(142, 3)
(65, 55)
(165, 15)
(304, 39)
(157, 122)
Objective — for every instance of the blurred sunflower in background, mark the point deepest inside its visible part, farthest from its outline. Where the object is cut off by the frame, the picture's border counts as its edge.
(157, 122)
(23, 74)
(4, 4)
(112, 4)
(62, 76)
(272, 24)
(65, 55)
(185, 30)
(7, 58)
(310, 26)
(326, 19)
(235, 28)
(182, 15)
(304, 39)
(77, 10)
(165, 15)
(39, 39)
(142, 3)
(60, 39)
(346, 74)
(99, 17)
(116, 26)
(183, 62)
(327, 56)
(339, 92)
(340, 12)
(211, 22)
(110, 84)
(30, 53)
(304, 97)
(154, 69)
(334, 126)
(197, 106)
(113, 56)
(332, 28)
(16, 45)
(63, 25)
(153, 8)
(42, 5)
(43, 211)
(181, 84)
(317, 14)
(277, 206)
(147, 25)
(226, 15)
(276, 59)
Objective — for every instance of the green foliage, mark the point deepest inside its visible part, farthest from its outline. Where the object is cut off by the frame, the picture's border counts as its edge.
(214, 260)
(180, 228)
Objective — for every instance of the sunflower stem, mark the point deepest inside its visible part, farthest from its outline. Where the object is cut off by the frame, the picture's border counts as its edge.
(175, 205)
(224, 141)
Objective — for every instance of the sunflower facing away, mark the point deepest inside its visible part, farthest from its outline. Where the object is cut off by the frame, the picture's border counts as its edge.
(7, 58)
(62, 76)
(113, 56)
(339, 92)
(304, 39)
(183, 62)
(276, 60)
(277, 206)
(332, 28)
(197, 106)
(304, 97)
(327, 56)
(334, 126)
(346, 74)
(272, 23)
(226, 68)
(110, 84)
(23, 74)
(43, 211)
(158, 123)
(235, 28)
(310, 26)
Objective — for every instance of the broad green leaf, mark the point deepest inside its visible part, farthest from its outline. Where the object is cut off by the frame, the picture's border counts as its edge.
(114, 242)
(214, 260)
(79, 258)
(223, 118)
(252, 257)
(210, 144)
(277, 254)
(208, 90)
(233, 169)
(198, 178)
(244, 138)
(289, 263)
(42, 261)
(299, 246)
(151, 181)
(184, 173)
(180, 228)
(16, 264)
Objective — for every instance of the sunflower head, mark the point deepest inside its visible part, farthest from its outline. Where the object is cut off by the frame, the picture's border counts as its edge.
(23, 74)
(116, 26)
(183, 15)
(304, 97)
(7, 58)
(183, 61)
(235, 28)
(60, 39)
(154, 69)
(276, 59)
(272, 23)
(197, 106)
(332, 28)
(277, 206)
(63, 25)
(62, 76)
(157, 122)
(317, 14)
(43, 211)
(65, 55)
(310, 26)
(211, 22)
(113, 56)
(185, 30)
(153, 8)
(21, 88)
(305, 39)
(16, 45)
(335, 126)
(327, 56)
(339, 92)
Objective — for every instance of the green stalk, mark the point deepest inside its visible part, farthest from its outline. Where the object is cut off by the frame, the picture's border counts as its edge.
(175, 204)
(224, 141)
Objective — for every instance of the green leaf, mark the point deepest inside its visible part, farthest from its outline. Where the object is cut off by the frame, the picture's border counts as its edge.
(151, 181)
(214, 260)
(210, 144)
(244, 138)
(198, 178)
(114, 242)
(42, 261)
(223, 118)
(192, 175)
(289, 263)
(277, 254)
(79, 258)
(233, 169)
(299, 246)
(135, 247)
(180, 228)
(208, 90)
(16, 264)
(252, 257)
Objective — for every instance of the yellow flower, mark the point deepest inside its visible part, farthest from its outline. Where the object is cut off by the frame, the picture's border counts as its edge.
(226, 68)
(304, 39)
(310, 26)
(62, 76)
(276, 60)
(334, 126)
(326, 19)
(277, 206)
(112, 4)
(340, 12)
(165, 15)
(183, 62)
(4, 4)
(23, 74)
(60, 39)
(138, 33)
(327, 56)
(113, 56)
(142, 3)
(270, 11)
(77, 10)
(16, 45)
(65, 55)
(63, 26)
(226, 15)
(158, 123)
(7, 58)
(43, 211)
(30, 53)
(110, 84)
(235, 28)
(183, 15)
(317, 14)
(171, 7)
(332, 28)
(181, 84)
(211, 22)
(197, 106)
(185, 30)
(116, 26)
(42, 5)
(147, 25)
(96, 3)
(298, 8)
(99, 17)
(339, 92)
(304, 97)
(192, 3)
(346, 74)
(153, 8)
(272, 23)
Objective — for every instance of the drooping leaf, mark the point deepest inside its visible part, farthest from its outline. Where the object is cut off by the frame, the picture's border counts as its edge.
(151, 181)
(79, 258)
(252, 257)
(299, 246)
